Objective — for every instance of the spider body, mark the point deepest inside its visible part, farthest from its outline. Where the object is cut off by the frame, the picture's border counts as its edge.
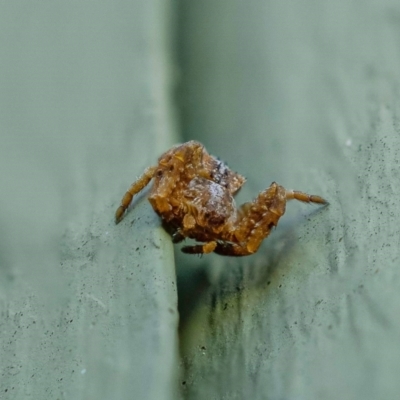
(193, 193)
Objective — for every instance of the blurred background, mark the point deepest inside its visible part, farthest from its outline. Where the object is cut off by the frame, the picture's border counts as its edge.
(304, 93)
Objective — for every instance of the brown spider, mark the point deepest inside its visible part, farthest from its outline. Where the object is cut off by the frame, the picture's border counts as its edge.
(193, 194)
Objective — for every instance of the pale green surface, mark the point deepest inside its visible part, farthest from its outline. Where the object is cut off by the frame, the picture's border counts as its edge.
(307, 94)
(84, 108)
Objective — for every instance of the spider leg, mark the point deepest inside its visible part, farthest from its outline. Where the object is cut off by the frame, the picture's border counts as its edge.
(257, 218)
(200, 248)
(231, 249)
(304, 197)
(177, 237)
(135, 188)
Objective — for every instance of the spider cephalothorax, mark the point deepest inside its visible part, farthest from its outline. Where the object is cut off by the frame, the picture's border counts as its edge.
(193, 194)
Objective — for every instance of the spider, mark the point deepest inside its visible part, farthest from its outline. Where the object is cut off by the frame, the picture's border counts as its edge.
(193, 194)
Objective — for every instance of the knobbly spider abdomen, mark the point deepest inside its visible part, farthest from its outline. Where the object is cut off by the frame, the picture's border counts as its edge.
(193, 194)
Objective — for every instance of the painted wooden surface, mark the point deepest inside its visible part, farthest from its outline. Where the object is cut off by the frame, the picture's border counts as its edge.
(303, 93)
(307, 94)
(88, 309)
